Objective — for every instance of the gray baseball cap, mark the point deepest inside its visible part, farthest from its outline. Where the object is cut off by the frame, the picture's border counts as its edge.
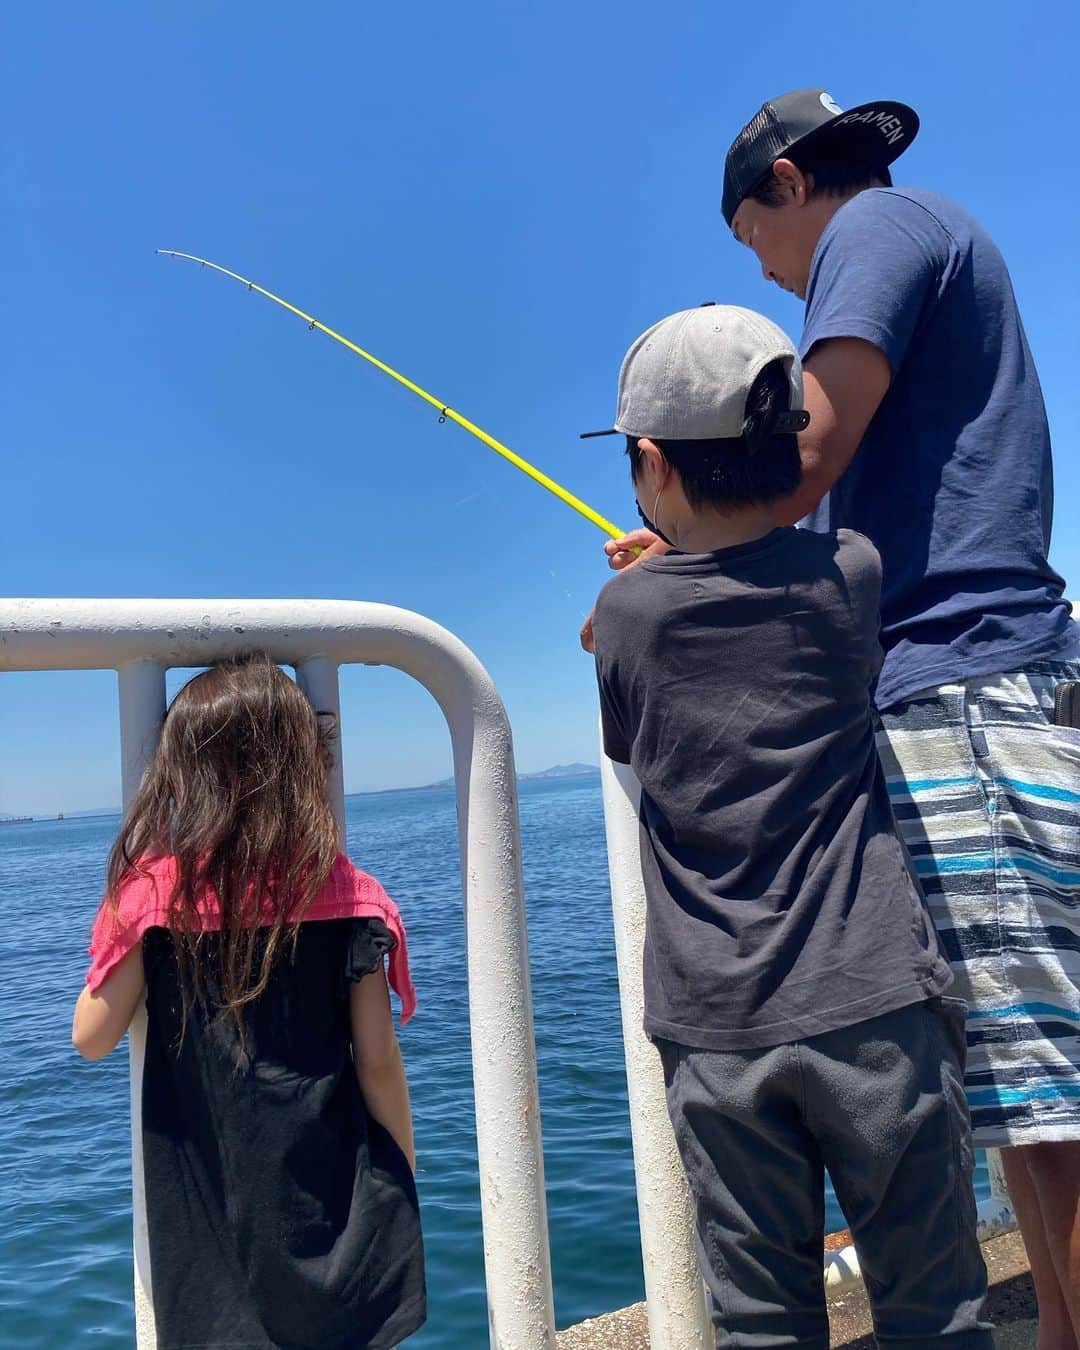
(687, 377)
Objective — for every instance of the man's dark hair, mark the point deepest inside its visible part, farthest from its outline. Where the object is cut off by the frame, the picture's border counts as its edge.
(831, 178)
(753, 469)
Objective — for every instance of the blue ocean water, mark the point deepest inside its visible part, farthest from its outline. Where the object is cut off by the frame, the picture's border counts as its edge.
(65, 1226)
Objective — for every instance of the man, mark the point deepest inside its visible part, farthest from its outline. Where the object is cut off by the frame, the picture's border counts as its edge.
(928, 434)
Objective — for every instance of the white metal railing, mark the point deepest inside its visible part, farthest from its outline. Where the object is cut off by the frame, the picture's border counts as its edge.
(678, 1316)
(140, 639)
(674, 1292)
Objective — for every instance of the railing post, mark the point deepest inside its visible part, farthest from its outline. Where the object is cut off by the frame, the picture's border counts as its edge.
(995, 1213)
(141, 687)
(677, 1311)
(318, 678)
(517, 1257)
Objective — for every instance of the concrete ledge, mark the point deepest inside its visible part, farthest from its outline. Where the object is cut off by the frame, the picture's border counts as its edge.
(1011, 1309)
(622, 1330)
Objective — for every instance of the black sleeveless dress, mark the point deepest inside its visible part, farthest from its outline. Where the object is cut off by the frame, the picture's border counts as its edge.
(280, 1214)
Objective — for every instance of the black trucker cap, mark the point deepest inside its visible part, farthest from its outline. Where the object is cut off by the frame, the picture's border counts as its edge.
(875, 132)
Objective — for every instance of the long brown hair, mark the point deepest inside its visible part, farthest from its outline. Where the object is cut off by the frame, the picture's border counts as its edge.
(236, 794)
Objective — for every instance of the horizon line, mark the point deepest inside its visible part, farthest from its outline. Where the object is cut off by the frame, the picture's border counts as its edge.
(96, 813)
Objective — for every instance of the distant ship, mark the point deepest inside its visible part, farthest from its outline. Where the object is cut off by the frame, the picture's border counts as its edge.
(16, 820)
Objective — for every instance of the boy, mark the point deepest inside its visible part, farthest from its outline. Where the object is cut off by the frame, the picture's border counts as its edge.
(793, 979)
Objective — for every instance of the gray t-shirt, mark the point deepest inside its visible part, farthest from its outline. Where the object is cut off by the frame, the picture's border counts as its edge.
(780, 901)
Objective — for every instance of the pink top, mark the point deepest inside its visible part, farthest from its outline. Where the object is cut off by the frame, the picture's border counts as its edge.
(347, 893)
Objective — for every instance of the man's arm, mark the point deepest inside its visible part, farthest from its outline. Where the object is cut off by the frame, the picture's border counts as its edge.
(844, 381)
(880, 270)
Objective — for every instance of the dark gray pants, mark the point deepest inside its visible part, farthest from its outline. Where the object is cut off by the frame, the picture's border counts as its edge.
(881, 1106)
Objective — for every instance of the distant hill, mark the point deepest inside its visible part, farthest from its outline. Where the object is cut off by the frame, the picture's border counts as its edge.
(564, 771)
(556, 771)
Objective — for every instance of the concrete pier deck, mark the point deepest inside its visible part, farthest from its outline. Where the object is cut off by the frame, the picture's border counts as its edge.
(1011, 1309)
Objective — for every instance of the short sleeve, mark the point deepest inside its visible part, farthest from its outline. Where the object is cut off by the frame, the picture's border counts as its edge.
(860, 562)
(370, 942)
(616, 744)
(877, 271)
(141, 904)
(610, 622)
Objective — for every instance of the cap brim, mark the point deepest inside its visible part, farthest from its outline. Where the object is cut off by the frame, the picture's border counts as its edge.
(798, 419)
(846, 132)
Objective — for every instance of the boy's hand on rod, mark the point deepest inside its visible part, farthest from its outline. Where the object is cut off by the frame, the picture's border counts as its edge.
(633, 548)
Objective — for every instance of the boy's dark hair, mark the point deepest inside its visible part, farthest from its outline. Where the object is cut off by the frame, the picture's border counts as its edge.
(832, 177)
(753, 469)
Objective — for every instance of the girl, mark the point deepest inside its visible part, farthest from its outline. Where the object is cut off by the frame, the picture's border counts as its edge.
(277, 1138)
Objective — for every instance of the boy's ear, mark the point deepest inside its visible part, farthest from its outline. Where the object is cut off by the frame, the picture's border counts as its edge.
(654, 462)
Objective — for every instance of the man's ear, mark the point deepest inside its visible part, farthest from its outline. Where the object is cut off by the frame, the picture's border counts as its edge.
(795, 185)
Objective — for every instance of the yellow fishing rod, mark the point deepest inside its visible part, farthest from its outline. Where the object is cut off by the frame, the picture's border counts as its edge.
(445, 411)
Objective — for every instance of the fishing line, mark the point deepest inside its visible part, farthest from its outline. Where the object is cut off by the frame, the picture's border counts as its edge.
(446, 413)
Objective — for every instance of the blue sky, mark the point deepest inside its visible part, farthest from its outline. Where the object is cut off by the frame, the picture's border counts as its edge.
(496, 198)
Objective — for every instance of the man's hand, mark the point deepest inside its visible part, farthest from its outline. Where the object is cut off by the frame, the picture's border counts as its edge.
(633, 548)
(588, 642)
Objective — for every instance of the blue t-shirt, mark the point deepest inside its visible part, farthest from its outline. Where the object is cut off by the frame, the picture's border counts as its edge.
(953, 479)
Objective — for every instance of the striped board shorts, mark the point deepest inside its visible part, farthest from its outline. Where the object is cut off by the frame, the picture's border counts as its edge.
(986, 791)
